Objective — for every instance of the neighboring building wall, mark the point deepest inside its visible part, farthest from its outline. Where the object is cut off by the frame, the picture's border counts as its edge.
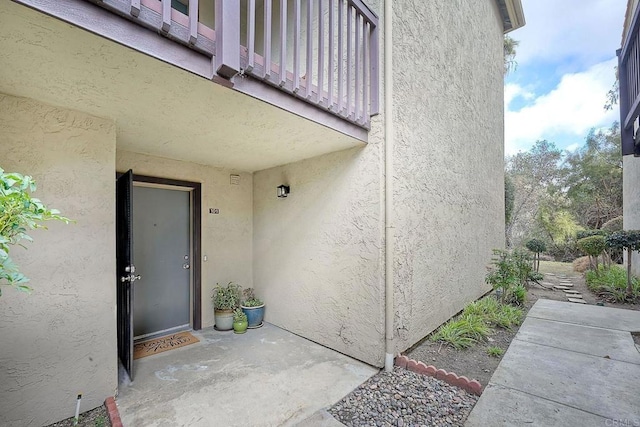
(449, 186)
(631, 202)
(60, 340)
(318, 253)
(227, 236)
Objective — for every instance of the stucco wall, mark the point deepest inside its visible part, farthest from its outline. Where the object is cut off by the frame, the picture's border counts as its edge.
(449, 187)
(318, 253)
(631, 202)
(60, 340)
(227, 236)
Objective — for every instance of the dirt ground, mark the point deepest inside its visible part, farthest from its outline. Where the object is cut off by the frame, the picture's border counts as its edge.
(97, 417)
(474, 362)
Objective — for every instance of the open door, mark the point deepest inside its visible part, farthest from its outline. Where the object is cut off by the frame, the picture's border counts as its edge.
(125, 270)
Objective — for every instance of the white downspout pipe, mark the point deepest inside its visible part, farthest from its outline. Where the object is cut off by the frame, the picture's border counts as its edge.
(389, 247)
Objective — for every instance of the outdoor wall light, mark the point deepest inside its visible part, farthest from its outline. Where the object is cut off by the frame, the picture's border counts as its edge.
(283, 190)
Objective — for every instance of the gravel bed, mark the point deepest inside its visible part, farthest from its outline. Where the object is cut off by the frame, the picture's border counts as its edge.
(403, 398)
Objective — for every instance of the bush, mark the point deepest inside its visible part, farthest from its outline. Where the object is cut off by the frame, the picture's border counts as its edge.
(612, 225)
(19, 213)
(588, 233)
(564, 251)
(611, 284)
(536, 246)
(593, 246)
(581, 264)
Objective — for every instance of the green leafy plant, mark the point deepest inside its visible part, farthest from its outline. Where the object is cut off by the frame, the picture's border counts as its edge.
(592, 246)
(495, 351)
(239, 316)
(100, 421)
(612, 285)
(250, 299)
(504, 275)
(19, 213)
(629, 240)
(226, 297)
(517, 295)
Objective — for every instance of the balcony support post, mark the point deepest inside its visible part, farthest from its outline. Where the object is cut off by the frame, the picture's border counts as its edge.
(227, 55)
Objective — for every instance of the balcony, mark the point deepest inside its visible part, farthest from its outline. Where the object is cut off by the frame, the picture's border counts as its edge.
(629, 81)
(323, 53)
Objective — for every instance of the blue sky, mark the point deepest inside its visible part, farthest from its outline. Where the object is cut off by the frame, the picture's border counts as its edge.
(566, 61)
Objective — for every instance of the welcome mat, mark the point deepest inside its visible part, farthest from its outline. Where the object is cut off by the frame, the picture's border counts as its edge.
(159, 345)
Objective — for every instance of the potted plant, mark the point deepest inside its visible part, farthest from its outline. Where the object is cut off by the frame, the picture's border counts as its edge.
(225, 300)
(253, 307)
(239, 322)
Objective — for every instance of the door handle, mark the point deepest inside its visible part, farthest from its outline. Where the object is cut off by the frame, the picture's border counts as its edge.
(130, 278)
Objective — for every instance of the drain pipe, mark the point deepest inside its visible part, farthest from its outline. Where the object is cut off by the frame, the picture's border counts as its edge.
(389, 247)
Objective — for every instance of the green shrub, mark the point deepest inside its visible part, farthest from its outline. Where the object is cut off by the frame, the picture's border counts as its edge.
(19, 213)
(593, 246)
(611, 284)
(612, 225)
(564, 251)
(536, 246)
(518, 295)
(588, 233)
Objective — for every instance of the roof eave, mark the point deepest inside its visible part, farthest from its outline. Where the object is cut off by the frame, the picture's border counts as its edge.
(512, 14)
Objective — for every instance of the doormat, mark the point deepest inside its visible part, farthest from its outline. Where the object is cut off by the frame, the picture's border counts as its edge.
(160, 345)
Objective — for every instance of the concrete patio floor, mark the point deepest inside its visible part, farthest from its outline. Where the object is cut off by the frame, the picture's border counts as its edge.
(569, 364)
(266, 377)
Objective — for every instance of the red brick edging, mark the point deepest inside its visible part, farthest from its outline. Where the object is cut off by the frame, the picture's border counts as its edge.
(471, 386)
(114, 414)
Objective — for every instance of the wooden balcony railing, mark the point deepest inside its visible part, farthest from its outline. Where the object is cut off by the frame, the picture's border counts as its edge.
(629, 84)
(324, 52)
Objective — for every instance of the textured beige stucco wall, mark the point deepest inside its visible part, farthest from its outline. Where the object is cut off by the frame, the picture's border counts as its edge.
(631, 202)
(318, 253)
(449, 186)
(60, 340)
(227, 236)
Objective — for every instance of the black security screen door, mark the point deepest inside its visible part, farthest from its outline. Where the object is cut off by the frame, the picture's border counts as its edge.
(125, 275)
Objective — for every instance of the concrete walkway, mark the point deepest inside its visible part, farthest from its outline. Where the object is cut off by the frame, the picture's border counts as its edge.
(569, 364)
(266, 377)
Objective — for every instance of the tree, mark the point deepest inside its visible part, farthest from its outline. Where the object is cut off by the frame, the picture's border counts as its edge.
(629, 240)
(536, 246)
(510, 63)
(509, 200)
(535, 175)
(593, 246)
(614, 92)
(593, 178)
(19, 212)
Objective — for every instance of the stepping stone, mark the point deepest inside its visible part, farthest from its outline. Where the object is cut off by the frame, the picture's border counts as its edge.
(561, 287)
(569, 284)
(571, 291)
(549, 274)
(577, 300)
(573, 296)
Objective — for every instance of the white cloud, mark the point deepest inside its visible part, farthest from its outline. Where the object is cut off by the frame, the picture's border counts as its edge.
(572, 108)
(585, 31)
(513, 91)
